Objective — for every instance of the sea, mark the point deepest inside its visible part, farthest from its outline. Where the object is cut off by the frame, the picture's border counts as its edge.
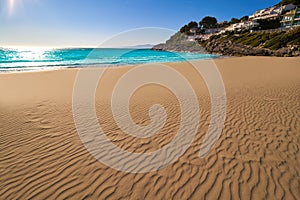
(28, 59)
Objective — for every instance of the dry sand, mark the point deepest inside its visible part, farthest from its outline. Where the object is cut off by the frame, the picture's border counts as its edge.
(256, 157)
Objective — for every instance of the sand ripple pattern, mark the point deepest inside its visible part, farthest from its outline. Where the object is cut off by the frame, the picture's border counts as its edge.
(256, 157)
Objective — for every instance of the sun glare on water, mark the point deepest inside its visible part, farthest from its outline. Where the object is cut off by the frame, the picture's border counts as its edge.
(32, 54)
(29, 53)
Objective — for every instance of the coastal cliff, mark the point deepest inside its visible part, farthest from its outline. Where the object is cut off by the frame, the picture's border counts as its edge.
(229, 48)
(180, 43)
(281, 44)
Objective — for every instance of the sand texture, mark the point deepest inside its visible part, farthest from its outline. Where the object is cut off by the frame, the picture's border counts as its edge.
(256, 157)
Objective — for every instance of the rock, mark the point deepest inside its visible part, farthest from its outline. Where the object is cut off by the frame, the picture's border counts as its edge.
(180, 43)
(227, 47)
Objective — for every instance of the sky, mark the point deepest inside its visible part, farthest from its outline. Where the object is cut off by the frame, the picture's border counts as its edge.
(88, 23)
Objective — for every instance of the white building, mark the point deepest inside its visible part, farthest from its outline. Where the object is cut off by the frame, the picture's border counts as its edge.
(268, 13)
(271, 13)
(213, 30)
(291, 19)
(242, 26)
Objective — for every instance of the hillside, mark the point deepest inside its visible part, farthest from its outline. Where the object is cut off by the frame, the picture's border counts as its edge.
(286, 2)
(242, 36)
(284, 43)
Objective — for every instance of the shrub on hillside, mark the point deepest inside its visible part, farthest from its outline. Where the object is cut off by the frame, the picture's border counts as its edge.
(284, 39)
(265, 24)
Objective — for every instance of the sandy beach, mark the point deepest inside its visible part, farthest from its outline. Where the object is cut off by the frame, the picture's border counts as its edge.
(256, 157)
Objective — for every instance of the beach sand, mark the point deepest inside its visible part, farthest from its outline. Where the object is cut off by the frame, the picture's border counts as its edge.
(256, 157)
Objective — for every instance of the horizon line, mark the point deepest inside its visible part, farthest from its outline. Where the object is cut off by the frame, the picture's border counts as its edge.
(73, 47)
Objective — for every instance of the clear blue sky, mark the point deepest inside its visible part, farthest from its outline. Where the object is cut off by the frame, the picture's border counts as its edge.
(89, 22)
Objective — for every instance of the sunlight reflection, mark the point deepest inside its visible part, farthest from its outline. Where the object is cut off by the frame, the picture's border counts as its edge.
(11, 7)
(29, 53)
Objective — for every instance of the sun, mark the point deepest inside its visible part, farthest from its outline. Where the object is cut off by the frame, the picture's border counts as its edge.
(11, 6)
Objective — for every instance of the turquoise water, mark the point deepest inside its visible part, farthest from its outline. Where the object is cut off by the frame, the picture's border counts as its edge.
(36, 59)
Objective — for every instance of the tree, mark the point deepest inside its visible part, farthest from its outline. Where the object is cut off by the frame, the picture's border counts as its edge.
(186, 29)
(265, 24)
(223, 24)
(192, 25)
(208, 22)
(286, 2)
(234, 21)
(244, 19)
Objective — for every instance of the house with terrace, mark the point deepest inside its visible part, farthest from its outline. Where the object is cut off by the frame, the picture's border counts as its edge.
(247, 25)
(271, 13)
(291, 19)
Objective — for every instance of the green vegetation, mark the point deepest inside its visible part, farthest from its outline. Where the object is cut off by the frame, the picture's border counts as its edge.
(286, 2)
(205, 23)
(273, 41)
(284, 39)
(186, 29)
(245, 18)
(208, 22)
(234, 21)
(265, 24)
